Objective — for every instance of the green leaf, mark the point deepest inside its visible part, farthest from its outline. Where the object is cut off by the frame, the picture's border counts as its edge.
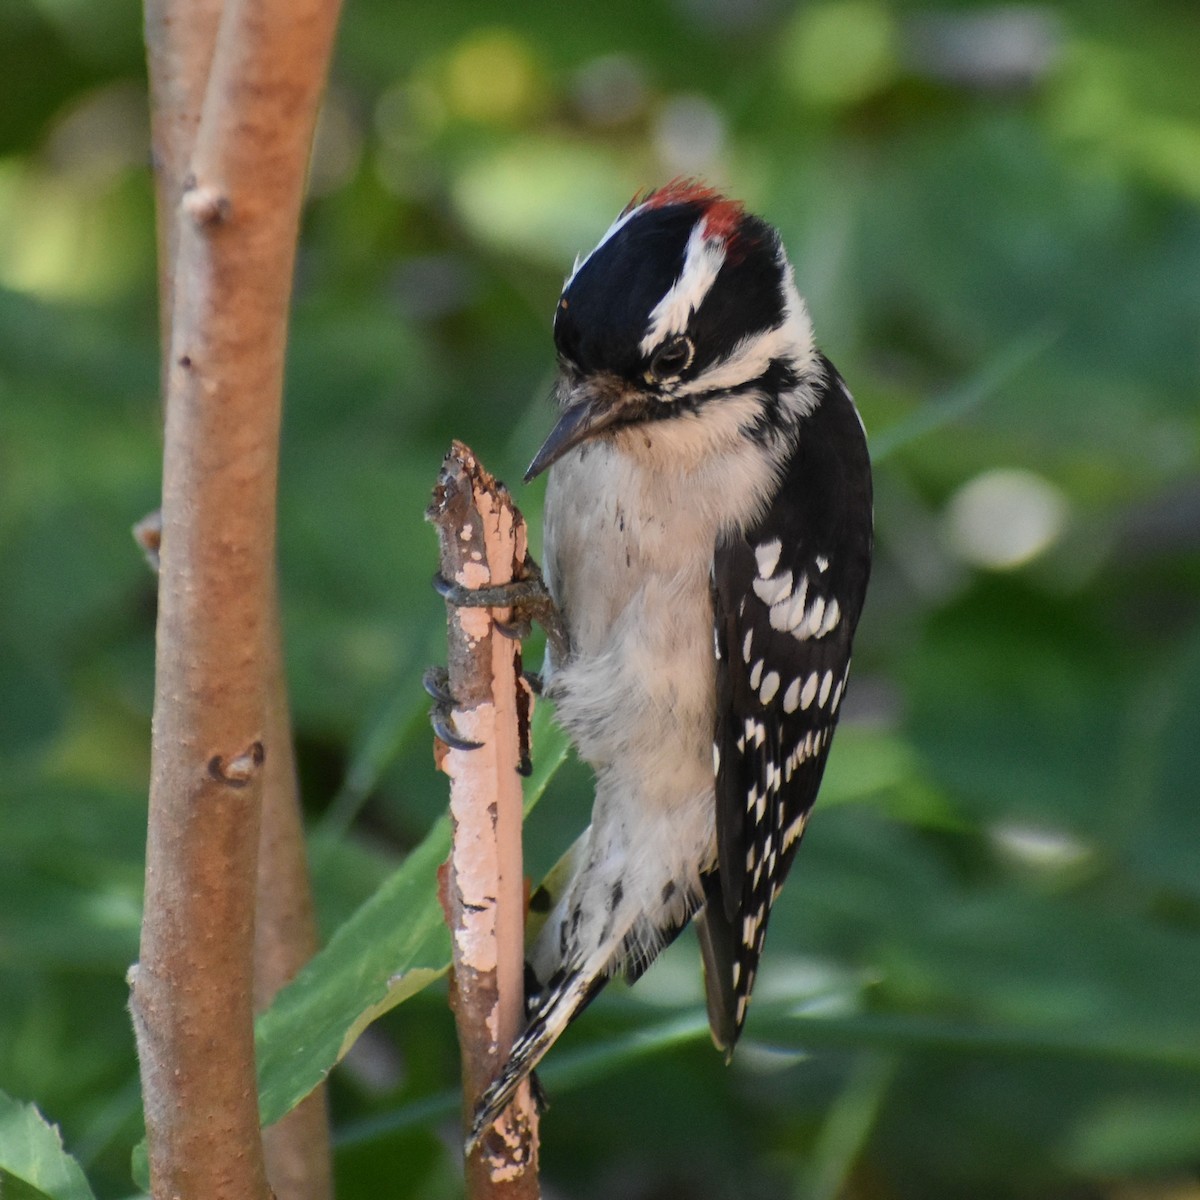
(392, 947)
(395, 945)
(847, 1128)
(33, 1162)
(1165, 822)
(991, 378)
(1136, 1134)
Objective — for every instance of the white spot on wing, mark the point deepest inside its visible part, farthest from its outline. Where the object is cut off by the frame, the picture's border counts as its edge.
(770, 685)
(796, 608)
(746, 645)
(809, 693)
(826, 685)
(833, 614)
(771, 591)
(794, 830)
(791, 698)
(767, 556)
(822, 563)
(816, 614)
(756, 673)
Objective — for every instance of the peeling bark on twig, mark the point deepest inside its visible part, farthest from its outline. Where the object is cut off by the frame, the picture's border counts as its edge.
(220, 732)
(482, 537)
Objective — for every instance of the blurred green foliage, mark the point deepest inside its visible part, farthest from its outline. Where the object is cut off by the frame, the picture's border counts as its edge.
(984, 976)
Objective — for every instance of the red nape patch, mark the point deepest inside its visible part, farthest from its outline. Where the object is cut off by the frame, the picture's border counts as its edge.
(722, 219)
(721, 216)
(680, 191)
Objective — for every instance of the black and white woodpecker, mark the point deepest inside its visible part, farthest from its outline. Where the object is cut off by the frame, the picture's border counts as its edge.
(708, 531)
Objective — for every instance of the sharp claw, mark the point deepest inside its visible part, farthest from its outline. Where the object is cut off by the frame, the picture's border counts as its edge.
(445, 732)
(515, 631)
(436, 683)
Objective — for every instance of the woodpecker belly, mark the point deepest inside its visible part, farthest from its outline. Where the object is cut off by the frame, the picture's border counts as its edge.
(628, 559)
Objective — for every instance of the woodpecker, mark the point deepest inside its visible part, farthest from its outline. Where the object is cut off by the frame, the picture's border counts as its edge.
(708, 535)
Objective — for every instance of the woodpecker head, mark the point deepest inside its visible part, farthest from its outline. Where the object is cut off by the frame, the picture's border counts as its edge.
(687, 302)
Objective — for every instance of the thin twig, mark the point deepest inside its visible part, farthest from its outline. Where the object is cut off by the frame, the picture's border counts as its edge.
(482, 537)
(233, 255)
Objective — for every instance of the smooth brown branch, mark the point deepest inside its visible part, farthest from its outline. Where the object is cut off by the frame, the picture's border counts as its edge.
(180, 43)
(237, 222)
(180, 39)
(483, 543)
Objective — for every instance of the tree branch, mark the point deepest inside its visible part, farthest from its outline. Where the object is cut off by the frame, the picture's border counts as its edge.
(233, 253)
(180, 40)
(482, 538)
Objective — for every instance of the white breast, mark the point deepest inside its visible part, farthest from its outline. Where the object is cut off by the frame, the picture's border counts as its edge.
(631, 524)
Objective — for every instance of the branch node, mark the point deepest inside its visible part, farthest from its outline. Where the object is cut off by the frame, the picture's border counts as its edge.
(239, 771)
(148, 535)
(205, 205)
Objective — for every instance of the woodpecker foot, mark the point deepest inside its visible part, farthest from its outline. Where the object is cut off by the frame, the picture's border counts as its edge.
(436, 682)
(529, 599)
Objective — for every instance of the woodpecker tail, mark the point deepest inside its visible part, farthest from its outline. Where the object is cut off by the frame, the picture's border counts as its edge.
(562, 1001)
(718, 951)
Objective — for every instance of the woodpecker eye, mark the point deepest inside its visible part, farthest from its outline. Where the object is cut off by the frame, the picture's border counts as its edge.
(671, 359)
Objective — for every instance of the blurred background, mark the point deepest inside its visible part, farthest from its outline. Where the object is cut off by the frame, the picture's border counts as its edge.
(984, 976)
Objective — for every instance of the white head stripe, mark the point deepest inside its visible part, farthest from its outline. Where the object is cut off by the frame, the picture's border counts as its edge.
(791, 340)
(701, 264)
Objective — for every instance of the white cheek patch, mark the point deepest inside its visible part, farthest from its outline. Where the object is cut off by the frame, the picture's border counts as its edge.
(702, 264)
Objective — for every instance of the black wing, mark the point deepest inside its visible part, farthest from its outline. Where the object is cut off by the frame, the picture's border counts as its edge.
(786, 596)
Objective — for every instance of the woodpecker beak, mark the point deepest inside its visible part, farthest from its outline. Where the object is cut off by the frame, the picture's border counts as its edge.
(598, 409)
